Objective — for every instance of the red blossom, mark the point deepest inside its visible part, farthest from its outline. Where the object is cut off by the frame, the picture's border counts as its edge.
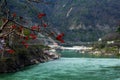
(21, 28)
(26, 45)
(13, 26)
(34, 27)
(23, 42)
(38, 27)
(33, 36)
(40, 15)
(45, 25)
(62, 41)
(62, 34)
(14, 15)
(26, 38)
(21, 36)
(10, 51)
(59, 37)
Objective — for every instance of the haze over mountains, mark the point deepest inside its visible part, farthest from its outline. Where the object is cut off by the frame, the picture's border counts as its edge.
(80, 20)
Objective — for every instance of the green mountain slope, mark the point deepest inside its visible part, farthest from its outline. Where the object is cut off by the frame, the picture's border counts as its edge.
(81, 20)
(86, 20)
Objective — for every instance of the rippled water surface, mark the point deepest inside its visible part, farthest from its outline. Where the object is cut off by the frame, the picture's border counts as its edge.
(70, 69)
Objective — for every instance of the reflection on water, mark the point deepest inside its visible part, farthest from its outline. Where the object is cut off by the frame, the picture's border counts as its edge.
(70, 69)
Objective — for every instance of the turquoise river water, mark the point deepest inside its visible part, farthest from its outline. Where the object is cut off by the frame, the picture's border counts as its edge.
(70, 69)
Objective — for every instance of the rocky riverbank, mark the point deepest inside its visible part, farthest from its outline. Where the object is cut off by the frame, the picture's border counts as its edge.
(22, 58)
(95, 51)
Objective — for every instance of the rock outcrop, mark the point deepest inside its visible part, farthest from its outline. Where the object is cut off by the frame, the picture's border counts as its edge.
(17, 61)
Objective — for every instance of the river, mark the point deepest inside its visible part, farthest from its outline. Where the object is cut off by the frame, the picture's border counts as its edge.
(70, 69)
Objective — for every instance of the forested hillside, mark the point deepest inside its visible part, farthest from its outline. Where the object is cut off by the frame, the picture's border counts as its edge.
(86, 20)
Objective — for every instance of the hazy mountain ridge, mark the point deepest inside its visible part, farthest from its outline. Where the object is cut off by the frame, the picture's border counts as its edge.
(81, 20)
(87, 20)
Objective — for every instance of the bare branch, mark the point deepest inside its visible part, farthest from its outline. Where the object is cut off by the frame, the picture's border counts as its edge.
(6, 34)
(4, 24)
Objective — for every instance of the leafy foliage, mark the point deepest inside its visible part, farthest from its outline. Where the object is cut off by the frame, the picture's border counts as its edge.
(15, 30)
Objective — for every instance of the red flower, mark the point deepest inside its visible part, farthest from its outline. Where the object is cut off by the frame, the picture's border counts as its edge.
(33, 36)
(62, 34)
(13, 26)
(14, 14)
(21, 36)
(59, 37)
(26, 38)
(23, 42)
(62, 41)
(10, 51)
(38, 27)
(45, 25)
(26, 45)
(20, 28)
(40, 15)
(34, 27)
